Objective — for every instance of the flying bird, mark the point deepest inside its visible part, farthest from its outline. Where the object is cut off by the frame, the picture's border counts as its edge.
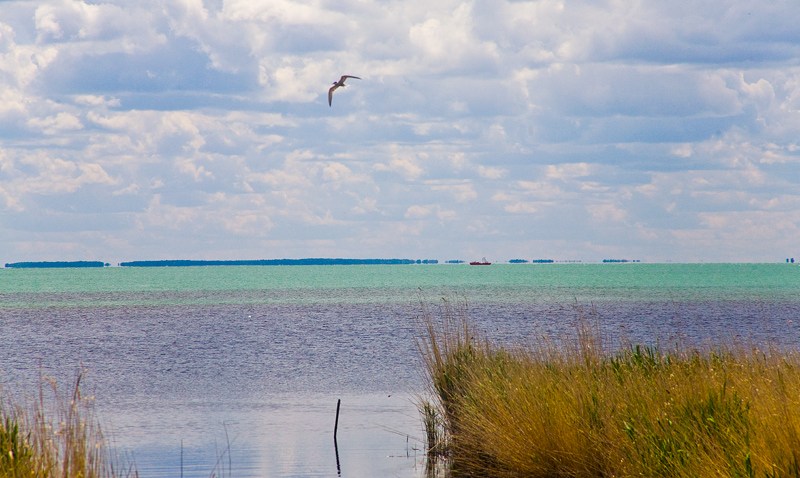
(337, 84)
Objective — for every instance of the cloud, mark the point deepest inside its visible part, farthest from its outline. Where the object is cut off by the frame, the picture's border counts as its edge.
(200, 128)
(490, 172)
(424, 211)
(521, 207)
(460, 191)
(568, 171)
(407, 167)
(20, 64)
(607, 89)
(605, 213)
(57, 123)
(445, 41)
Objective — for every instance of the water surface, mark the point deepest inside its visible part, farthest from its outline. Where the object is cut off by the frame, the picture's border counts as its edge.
(188, 362)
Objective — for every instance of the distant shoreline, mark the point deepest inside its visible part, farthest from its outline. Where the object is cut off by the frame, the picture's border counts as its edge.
(194, 263)
(312, 261)
(318, 261)
(56, 264)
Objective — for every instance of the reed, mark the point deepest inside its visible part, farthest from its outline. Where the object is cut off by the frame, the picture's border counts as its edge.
(56, 436)
(575, 410)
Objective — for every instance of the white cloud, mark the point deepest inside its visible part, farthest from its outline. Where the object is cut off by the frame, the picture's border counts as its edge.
(417, 211)
(604, 213)
(12, 104)
(250, 223)
(97, 100)
(20, 64)
(460, 191)
(167, 216)
(336, 172)
(282, 12)
(42, 175)
(108, 28)
(569, 170)
(405, 166)
(293, 79)
(521, 207)
(365, 205)
(197, 172)
(445, 41)
(424, 211)
(57, 123)
(489, 172)
(542, 189)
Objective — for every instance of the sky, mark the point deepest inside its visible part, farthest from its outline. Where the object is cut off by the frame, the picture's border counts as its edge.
(566, 130)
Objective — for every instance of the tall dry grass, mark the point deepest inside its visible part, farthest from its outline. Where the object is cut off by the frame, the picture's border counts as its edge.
(575, 410)
(57, 436)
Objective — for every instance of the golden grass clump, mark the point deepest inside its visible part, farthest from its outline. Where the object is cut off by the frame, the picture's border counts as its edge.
(57, 436)
(577, 411)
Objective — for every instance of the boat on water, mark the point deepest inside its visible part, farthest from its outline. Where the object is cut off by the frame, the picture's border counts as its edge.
(482, 262)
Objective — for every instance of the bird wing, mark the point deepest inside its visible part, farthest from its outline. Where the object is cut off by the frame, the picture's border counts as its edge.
(344, 77)
(330, 94)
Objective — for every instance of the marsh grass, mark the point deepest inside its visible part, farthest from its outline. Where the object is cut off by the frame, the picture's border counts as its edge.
(56, 436)
(576, 410)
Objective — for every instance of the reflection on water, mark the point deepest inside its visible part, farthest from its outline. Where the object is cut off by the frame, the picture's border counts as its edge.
(378, 435)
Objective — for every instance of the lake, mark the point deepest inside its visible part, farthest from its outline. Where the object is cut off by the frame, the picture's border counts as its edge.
(187, 363)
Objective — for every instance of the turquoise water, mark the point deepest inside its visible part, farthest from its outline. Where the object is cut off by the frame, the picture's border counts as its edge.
(181, 359)
(358, 284)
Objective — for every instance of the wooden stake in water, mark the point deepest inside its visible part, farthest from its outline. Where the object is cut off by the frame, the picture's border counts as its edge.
(336, 425)
(335, 443)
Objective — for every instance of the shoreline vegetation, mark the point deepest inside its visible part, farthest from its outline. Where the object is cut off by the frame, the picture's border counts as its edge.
(573, 408)
(57, 436)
